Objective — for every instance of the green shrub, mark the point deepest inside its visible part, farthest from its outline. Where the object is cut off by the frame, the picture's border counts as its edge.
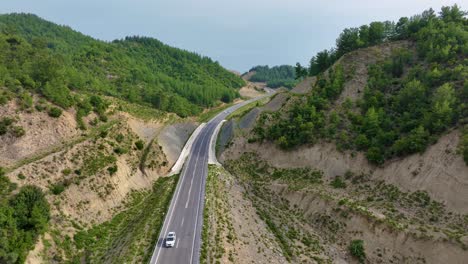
(120, 150)
(119, 138)
(4, 99)
(92, 164)
(375, 155)
(24, 218)
(338, 182)
(5, 124)
(57, 189)
(55, 112)
(18, 131)
(139, 144)
(21, 176)
(356, 248)
(31, 208)
(58, 93)
(103, 134)
(416, 141)
(25, 101)
(66, 171)
(103, 118)
(40, 107)
(112, 169)
(362, 142)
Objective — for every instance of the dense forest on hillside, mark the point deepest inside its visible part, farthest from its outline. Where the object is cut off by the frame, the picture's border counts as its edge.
(55, 61)
(409, 100)
(379, 32)
(277, 76)
(23, 217)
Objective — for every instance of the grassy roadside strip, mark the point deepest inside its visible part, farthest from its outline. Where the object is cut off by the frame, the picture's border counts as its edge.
(218, 229)
(146, 113)
(130, 235)
(59, 147)
(206, 116)
(246, 108)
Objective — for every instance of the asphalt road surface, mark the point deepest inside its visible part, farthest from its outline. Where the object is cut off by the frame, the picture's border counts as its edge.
(185, 214)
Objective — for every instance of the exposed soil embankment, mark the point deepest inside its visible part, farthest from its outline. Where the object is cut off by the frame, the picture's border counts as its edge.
(233, 232)
(41, 133)
(440, 170)
(307, 210)
(173, 137)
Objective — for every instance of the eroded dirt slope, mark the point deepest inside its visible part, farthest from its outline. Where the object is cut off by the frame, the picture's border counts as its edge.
(88, 175)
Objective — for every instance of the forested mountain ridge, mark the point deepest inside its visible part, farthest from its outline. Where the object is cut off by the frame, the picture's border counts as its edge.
(274, 77)
(138, 69)
(409, 99)
(420, 27)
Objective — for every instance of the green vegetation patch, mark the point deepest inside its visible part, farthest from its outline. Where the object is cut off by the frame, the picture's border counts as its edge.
(145, 112)
(7, 125)
(130, 236)
(409, 101)
(206, 116)
(218, 227)
(96, 162)
(356, 248)
(55, 112)
(275, 77)
(24, 216)
(239, 113)
(54, 60)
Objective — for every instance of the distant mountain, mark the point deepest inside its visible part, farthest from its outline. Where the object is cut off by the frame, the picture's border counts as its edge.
(53, 60)
(274, 77)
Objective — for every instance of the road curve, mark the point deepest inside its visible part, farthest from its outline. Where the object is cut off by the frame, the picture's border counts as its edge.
(185, 214)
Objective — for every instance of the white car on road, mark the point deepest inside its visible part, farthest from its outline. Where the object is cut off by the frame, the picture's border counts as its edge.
(170, 239)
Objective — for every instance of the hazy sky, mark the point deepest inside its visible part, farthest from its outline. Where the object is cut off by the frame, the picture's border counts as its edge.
(237, 33)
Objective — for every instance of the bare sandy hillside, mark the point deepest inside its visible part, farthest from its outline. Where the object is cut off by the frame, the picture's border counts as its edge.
(440, 170)
(41, 133)
(252, 90)
(146, 130)
(304, 86)
(401, 215)
(248, 75)
(88, 175)
(172, 139)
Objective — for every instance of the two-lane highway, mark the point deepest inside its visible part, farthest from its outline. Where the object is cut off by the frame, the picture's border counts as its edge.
(185, 214)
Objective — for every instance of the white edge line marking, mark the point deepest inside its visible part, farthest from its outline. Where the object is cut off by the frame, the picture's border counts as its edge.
(173, 203)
